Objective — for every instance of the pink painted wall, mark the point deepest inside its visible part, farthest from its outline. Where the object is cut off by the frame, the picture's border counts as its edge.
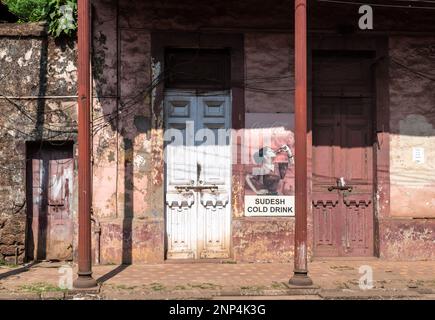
(128, 167)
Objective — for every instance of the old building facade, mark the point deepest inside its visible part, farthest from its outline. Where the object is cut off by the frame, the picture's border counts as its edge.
(221, 65)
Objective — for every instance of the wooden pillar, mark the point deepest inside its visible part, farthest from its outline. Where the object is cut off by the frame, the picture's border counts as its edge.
(84, 279)
(300, 276)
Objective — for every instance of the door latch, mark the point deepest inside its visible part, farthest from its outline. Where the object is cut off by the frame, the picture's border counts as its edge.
(341, 185)
(181, 189)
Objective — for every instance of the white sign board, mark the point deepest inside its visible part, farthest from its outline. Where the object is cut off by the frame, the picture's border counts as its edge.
(418, 155)
(269, 206)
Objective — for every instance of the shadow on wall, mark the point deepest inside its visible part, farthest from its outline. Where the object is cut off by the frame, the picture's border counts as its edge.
(127, 227)
(51, 129)
(38, 135)
(114, 127)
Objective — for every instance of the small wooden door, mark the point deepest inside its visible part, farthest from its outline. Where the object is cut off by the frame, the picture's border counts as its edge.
(342, 154)
(198, 174)
(49, 190)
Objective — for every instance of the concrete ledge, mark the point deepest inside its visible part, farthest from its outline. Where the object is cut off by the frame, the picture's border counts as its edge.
(20, 296)
(296, 297)
(53, 295)
(290, 291)
(37, 29)
(74, 291)
(303, 290)
(368, 295)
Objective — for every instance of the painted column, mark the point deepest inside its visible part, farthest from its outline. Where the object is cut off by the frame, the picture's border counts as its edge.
(84, 279)
(300, 276)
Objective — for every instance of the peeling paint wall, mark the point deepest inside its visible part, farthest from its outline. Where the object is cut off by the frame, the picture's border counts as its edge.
(406, 239)
(128, 189)
(131, 145)
(128, 153)
(412, 125)
(37, 102)
(128, 175)
(269, 67)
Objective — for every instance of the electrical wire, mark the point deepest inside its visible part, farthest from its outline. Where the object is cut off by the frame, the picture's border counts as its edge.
(418, 73)
(380, 5)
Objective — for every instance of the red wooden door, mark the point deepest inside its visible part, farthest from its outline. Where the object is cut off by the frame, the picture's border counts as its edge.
(49, 183)
(342, 155)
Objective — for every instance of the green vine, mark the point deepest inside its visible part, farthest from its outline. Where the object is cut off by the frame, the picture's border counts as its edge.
(61, 15)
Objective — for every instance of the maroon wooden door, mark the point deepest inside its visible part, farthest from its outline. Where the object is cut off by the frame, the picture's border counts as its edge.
(342, 155)
(49, 192)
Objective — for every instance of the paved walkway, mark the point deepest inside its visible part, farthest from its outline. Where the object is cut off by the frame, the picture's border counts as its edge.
(334, 279)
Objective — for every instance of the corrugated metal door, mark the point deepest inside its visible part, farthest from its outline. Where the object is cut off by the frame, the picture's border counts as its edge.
(343, 155)
(50, 185)
(198, 175)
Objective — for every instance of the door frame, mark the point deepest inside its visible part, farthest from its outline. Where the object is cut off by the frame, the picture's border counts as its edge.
(380, 118)
(228, 217)
(162, 40)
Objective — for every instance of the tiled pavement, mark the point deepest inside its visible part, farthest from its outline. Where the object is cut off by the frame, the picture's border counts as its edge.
(335, 279)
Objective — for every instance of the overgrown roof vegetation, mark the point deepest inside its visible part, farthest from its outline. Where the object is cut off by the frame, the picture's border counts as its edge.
(61, 15)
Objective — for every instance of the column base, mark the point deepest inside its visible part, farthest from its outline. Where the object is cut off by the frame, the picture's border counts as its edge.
(301, 279)
(84, 281)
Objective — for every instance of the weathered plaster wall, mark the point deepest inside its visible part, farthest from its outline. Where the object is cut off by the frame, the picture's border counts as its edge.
(128, 167)
(203, 15)
(269, 72)
(412, 125)
(407, 239)
(269, 88)
(128, 196)
(31, 66)
(127, 130)
(128, 180)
